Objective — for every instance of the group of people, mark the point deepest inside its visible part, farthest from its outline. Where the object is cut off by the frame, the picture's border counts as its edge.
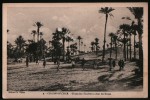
(112, 64)
(37, 62)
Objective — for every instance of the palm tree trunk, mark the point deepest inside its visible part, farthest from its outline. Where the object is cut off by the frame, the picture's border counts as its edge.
(127, 51)
(134, 48)
(140, 51)
(63, 48)
(68, 44)
(96, 49)
(104, 39)
(111, 48)
(130, 47)
(124, 50)
(33, 37)
(140, 44)
(38, 30)
(79, 46)
(116, 48)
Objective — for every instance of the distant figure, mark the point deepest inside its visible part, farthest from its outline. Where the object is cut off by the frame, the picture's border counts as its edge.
(73, 63)
(110, 64)
(58, 64)
(121, 64)
(19, 60)
(27, 61)
(37, 60)
(55, 61)
(82, 63)
(114, 63)
(94, 64)
(44, 63)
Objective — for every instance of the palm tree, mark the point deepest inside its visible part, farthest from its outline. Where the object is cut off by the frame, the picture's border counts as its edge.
(43, 47)
(115, 37)
(9, 49)
(96, 44)
(64, 32)
(111, 40)
(34, 33)
(38, 25)
(69, 39)
(125, 28)
(138, 14)
(134, 30)
(107, 11)
(79, 38)
(130, 33)
(20, 42)
(127, 50)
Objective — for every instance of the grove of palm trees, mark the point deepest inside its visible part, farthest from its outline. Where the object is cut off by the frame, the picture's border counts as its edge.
(75, 49)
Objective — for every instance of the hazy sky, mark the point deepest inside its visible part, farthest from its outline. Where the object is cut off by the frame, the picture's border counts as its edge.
(84, 21)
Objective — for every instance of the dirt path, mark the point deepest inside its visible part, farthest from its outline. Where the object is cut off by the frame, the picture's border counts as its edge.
(37, 78)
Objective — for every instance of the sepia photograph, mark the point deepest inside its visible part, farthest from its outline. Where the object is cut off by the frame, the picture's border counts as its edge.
(80, 50)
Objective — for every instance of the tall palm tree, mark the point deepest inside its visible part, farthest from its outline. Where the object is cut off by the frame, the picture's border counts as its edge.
(79, 38)
(134, 30)
(107, 11)
(111, 40)
(130, 33)
(34, 33)
(138, 14)
(64, 32)
(115, 37)
(38, 25)
(125, 28)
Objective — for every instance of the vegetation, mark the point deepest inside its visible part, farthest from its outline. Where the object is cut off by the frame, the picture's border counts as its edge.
(107, 11)
(37, 48)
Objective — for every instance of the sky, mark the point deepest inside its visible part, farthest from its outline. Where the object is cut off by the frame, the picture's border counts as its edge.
(86, 22)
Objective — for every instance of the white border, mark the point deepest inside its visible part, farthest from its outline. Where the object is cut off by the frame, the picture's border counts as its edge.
(143, 94)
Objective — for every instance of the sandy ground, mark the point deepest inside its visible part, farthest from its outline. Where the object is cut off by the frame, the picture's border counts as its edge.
(37, 78)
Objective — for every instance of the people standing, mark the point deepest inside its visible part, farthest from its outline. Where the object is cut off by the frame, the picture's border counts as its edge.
(121, 64)
(58, 64)
(83, 63)
(73, 63)
(110, 64)
(27, 61)
(44, 62)
(37, 60)
(94, 64)
(114, 63)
